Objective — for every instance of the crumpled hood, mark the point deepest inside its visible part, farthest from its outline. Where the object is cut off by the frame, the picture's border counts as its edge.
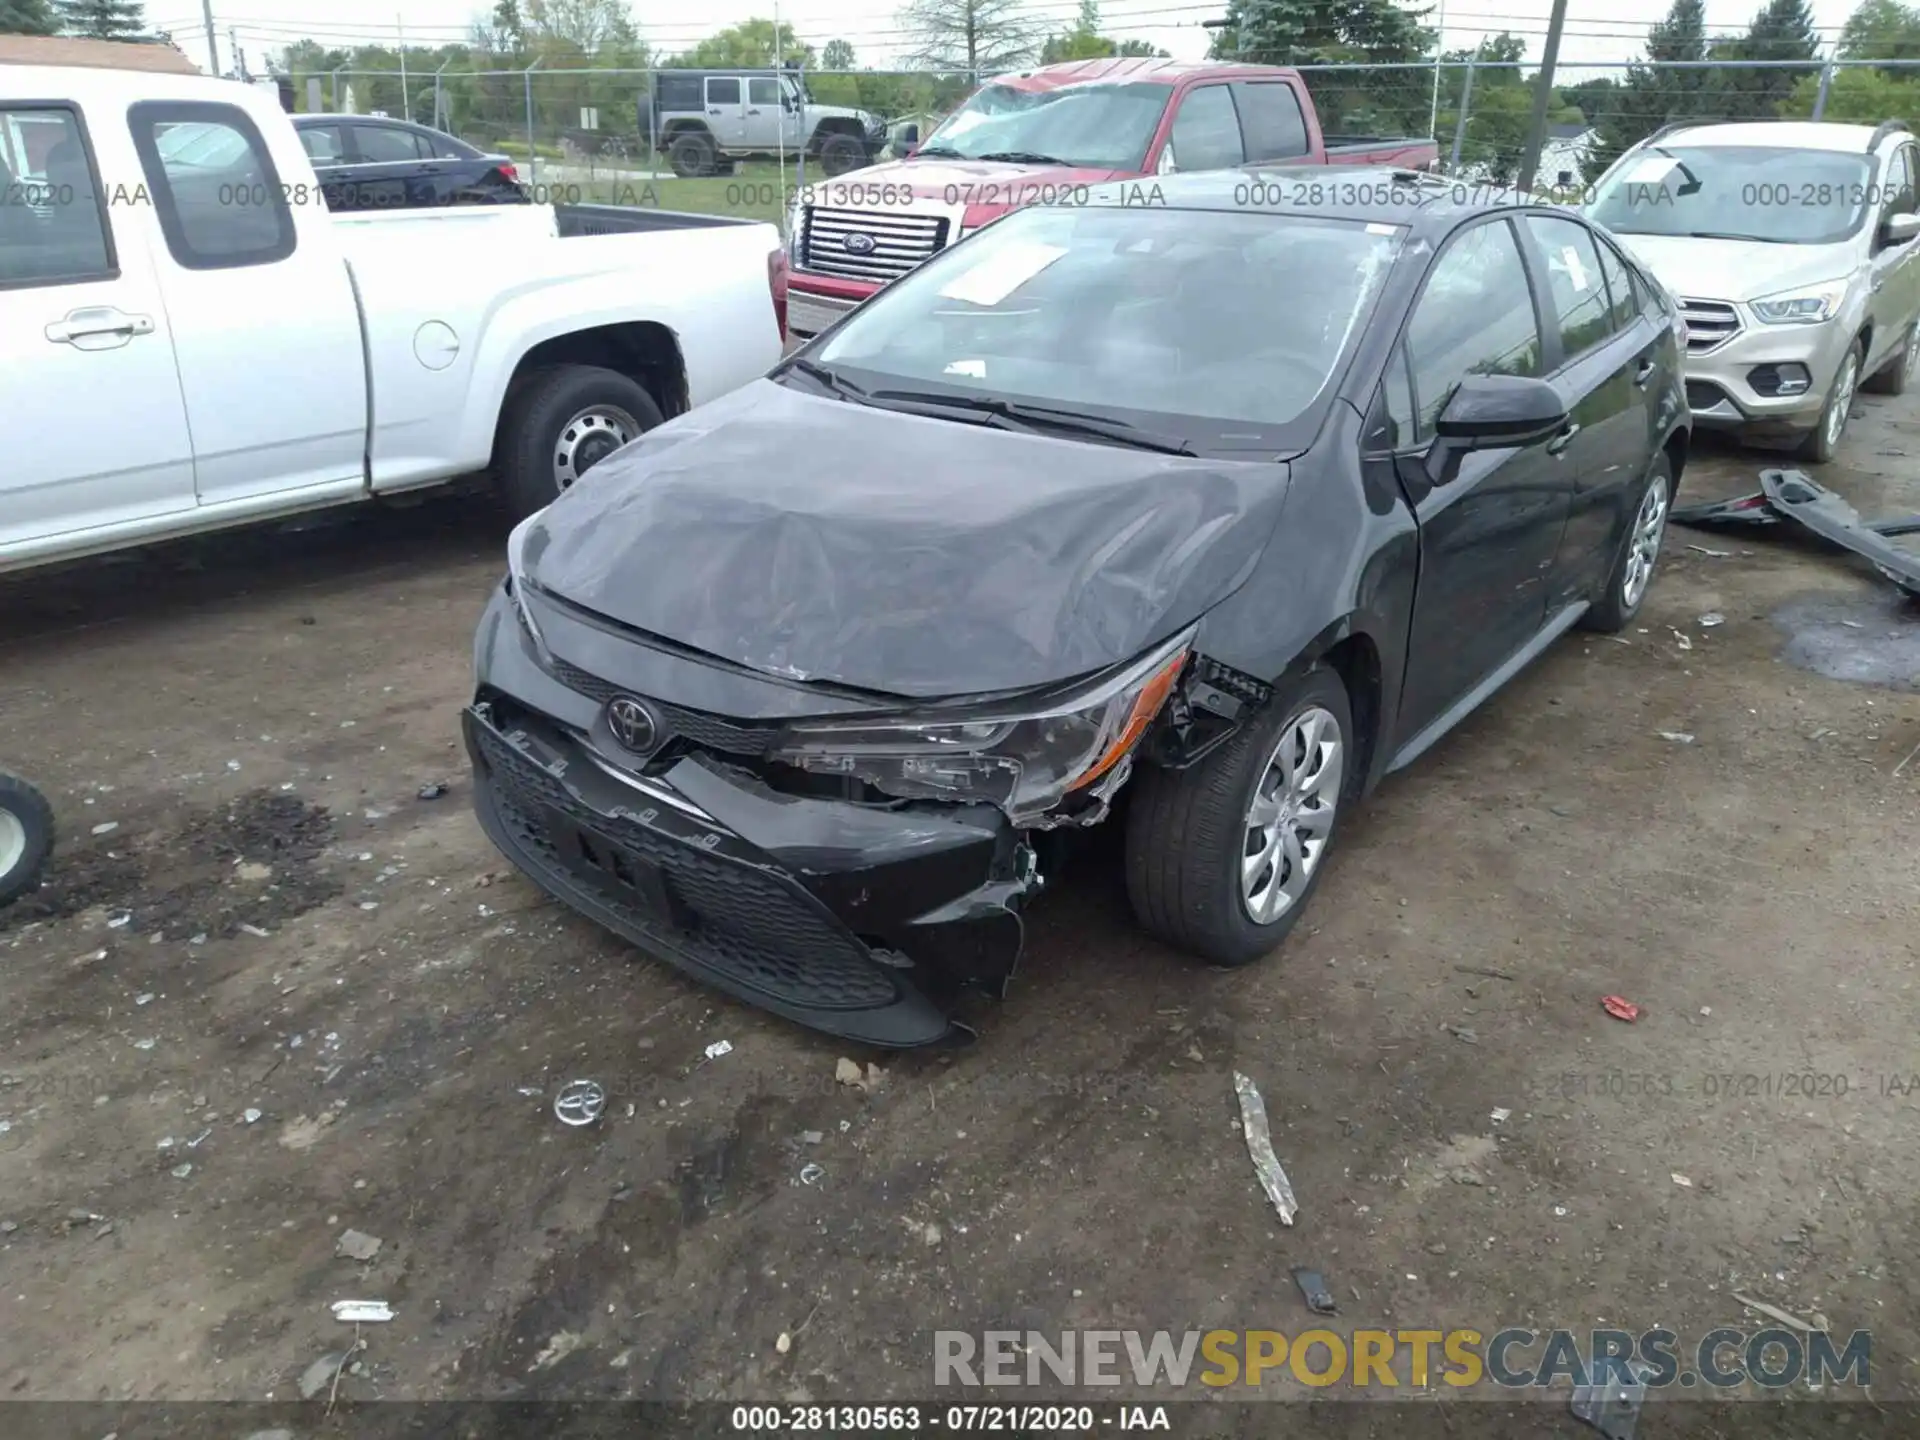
(1736, 270)
(817, 539)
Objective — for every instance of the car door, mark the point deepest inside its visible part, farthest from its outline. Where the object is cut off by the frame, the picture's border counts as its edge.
(762, 128)
(1603, 358)
(1896, 266)
(1271, 119)
(95, 431)
(266, 329)
(1205, 133)
(727, 111)
(385, 144)
(325, 144)
(1490, 533)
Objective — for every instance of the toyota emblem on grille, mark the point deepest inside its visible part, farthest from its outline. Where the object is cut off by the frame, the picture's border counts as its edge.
(857, 244)
(633, 725)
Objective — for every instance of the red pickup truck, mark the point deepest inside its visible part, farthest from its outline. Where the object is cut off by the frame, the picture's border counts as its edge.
(1043, 137)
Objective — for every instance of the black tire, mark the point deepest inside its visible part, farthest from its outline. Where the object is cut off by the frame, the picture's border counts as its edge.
(1187, 832)
(691, 155)
(540, 410)
(1820, 444)
(1618, 603)
(840, 153)
(1896, 375)
(26, 837)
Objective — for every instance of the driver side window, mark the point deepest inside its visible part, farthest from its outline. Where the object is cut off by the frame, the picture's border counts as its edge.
(1475, 317)
(1206, 131)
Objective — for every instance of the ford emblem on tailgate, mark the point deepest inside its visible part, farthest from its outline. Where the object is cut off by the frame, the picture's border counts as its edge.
(858, 244)
(633, 725)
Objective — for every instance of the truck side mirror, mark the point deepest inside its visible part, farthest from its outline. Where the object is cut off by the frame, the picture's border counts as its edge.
(905, 138)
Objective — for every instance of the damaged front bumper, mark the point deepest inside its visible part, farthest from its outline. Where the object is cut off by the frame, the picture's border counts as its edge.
(865, 921)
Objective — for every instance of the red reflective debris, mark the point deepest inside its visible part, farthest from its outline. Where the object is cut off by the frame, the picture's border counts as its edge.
(1620, 1009)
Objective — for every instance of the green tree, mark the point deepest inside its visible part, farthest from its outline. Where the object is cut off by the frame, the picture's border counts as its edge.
(746, 46)
(979, 37)
(584, 25)
(1654, 92)
(1861, 96)
(1782, 30)
(1881, 30)
(27, 17)
(1592, 98)
(1369, 33)
(1085, 42)
(837, 55)
(102, 19)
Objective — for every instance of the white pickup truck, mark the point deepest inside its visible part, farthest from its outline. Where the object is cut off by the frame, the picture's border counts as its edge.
(190, 340)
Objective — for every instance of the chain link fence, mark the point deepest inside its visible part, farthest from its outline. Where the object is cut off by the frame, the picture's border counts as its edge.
(585, 134)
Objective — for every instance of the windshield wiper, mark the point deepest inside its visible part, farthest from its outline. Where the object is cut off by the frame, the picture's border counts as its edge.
(1733, 235)
(1023, 157)
(819, 373)
(1011, 414)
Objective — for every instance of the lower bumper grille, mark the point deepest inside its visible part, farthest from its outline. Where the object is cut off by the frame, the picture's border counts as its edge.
(745, 925)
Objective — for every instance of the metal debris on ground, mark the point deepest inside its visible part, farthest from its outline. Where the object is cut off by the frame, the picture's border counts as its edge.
(357, 1245)
(1681, 1180)
(1711, 619)
(719, 1048)
(1774, 1312)
(433, 791)
(1462, 1033)
(1678, 737)
(1716, 554)
(1501, 1116)
(580, 1102)
(1620, 1008)
(812, 1174)
(1253, 1120)
(1613, 1406)
(256, 931)
(1314, 1290)
(182, 1170)
(362, 1312)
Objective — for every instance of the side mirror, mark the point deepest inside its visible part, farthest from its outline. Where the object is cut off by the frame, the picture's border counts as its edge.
(1494, 412)
(1899, 229)
(905, 138)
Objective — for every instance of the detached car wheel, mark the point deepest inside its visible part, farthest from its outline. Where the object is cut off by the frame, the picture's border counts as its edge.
(691, 156)
(1824, 442)
(1632, 569)
(562, 423)
(26, 837)
(1222, 858)
(1894, 377)
(841, 153)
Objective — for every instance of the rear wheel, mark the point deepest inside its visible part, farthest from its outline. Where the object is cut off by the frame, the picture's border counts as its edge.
(1632, 569)
(841, 153)
(1223, 857)
(1823, 442)
(560, 424)
(26, 837)
(691, 155)
(1894, 377)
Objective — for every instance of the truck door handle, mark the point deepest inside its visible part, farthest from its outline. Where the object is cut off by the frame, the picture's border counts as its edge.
(1562, 440)
(713, 110)
(753, 112)
(101, 324)
(1643, 372)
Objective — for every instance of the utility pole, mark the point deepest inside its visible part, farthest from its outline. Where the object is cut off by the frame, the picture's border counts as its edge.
(399, 28)
(239, 55)
(1439, 49)
(1537, 130)
(213, 39)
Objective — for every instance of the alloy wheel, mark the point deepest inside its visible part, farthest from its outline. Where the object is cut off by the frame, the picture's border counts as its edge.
(1643, 546)
(1841, 406)
(13, 843)
(1290, 818)
(587, 439)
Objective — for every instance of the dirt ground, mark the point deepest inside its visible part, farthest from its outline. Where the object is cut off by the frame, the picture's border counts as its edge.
(285, 996)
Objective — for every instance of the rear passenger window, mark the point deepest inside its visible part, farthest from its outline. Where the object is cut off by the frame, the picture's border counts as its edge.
(1475, 317)
(383, 145)
(1206, 132)
(1271, 119)
(213, 183)
(1623, 304)
(1575, 284)
(52, 229)
(324, 144)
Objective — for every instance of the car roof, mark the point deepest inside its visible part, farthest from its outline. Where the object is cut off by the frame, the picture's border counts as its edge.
(1383, 194)
(1779, 134)
(1132, 70)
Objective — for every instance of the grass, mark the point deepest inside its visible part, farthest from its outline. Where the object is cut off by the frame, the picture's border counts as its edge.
(755, 192)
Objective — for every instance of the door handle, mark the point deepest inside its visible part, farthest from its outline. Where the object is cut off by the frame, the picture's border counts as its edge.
(753, 112)
(713, 110)
(1643, 372)
(1562, 440)
(98, 323)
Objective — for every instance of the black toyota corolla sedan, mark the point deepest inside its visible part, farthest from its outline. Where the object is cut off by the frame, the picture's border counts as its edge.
(1202, 507)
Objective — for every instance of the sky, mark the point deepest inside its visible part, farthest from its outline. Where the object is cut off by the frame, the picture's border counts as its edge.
(1598, 31)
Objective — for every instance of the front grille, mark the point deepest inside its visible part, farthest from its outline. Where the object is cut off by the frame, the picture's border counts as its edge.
(1710, 324)
(743, 923)
(748, 739)
(900, 242)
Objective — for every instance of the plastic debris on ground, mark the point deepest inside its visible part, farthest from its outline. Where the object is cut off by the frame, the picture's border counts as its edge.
(433, 791)
(1313, 1290)
(1501, 1116)
(1774, 1312)
(1678, 737)
(357, 1245)
(1620, 1008)
(1681, 1180)
(362, 1312)
(812, 1174)
(1613, 1407)
(1253, 1120)
(719, 1048)
(1711, 619)
(580, 1102)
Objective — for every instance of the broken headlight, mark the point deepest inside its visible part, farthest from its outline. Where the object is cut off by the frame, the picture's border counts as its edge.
(1025, 756)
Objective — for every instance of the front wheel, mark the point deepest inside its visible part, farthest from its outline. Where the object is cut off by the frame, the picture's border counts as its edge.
(26, 837)
(1223, 857)
(562, 423)
(1823, 443)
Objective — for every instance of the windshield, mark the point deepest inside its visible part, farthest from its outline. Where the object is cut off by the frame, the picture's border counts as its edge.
(204, 146)
(1218, 327)
(1747, 192)
(1097, 127)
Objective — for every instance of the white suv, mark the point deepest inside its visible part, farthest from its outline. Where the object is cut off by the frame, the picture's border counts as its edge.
(1790, 245)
